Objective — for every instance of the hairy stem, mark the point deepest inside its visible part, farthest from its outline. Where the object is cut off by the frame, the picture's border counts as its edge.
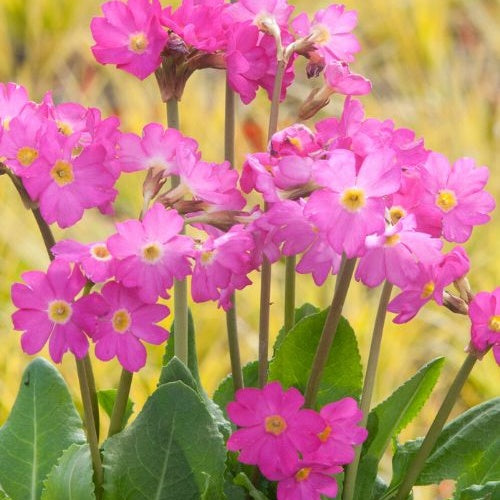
(265, 283)
(289, 292)
(369, 384)
(328, 333)
(418, 462)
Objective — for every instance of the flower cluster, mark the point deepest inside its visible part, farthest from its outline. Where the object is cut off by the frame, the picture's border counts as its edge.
(247, 39)
(299, 448)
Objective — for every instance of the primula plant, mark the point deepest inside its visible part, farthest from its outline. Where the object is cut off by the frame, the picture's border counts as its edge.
(352, 196)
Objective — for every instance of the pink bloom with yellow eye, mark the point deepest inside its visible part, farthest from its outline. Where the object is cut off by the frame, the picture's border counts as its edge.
(484, 312)
(274, 428)
(130, 35)
(47, 311)
(13, 98)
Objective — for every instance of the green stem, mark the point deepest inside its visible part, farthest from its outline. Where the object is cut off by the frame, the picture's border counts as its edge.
(328, 333)
(231, 316)
(290, 292)
(89, 425)
(180, 287)
(116, 423)
(265, 283)
(89, 372)
(418, 462)
(369, 384)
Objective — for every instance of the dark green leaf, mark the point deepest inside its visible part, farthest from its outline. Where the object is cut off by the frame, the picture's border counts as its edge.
(391, 416)
(42, 424)
(225, 392)
(177, 370)
(292, 363)
(173, 450)
(71, 477)
(107, 398)
(242, 480)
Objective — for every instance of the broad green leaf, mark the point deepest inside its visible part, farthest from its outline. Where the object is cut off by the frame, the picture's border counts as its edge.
(292, 362)
(242, 480)
(71, 477)
(225, 392)
(192, 354)
(177, 370)
(42, 424)
(300, 313)
(391, 416)
(173, 450)
(468, 445)
(488, 491)
(106, 400)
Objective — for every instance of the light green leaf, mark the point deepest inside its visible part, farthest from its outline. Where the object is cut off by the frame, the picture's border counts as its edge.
(292, 362)
(391, 416)
(71, 477)
(106, 400)
(488, 491)
(42, 424)
(170, 452)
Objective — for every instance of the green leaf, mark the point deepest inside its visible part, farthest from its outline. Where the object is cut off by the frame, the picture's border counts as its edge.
(242, 480)
(172, 450)
(107, 398)
(71, 477)
(300, 313)
(468, 445)
(388, 419)
(225, 392)
(292, 363)
(488, 491)
(192, 355)
(42, 424)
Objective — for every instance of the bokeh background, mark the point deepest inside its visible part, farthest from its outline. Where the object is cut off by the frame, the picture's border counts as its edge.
(434, 65)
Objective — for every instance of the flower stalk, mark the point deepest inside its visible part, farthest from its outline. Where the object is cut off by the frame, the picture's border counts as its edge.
(116, 423)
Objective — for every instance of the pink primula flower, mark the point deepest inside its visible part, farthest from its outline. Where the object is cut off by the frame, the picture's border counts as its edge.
(352, 205)
(274, 428)
(151, 253)
(339, 79)
(267, 15)
(297, 140)
(484, 312)
(95, 259)
(13, 98)
(47, 311)
(309, 481)
(129, 35)
(456, 195)
(118, 320)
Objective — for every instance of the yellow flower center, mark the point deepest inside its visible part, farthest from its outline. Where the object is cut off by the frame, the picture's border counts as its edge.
(295, 141)
(392, 240)
(100, 252)
(60, 311)
(152, 252)
(275, 425)
(353, 199)
(26, 156)
(325, 434)
(396, 213)
(446, 200)
(494, 323)
(320, 34)
(62, 173)
(207, 257)
(138, 42)
(64, 128)
(302, 474)
(121, 320)
(428, 290)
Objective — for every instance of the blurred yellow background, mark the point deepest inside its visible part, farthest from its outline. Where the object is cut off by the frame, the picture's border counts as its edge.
(434, 65)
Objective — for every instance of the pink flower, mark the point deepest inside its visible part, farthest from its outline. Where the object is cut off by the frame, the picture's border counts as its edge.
(455, 195)
(295, 140)
(339, 79)
(258, 173)
(121, 321)
(429, 284)
(274, 428)
(265, 14)
(341, 433)
(151, 253)
(95, 259)
(13, 98)
(47, 311)
(129, 35)
(330, 32)
(309, 481)
(484, 312)
(352, 206)
(395, 255)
